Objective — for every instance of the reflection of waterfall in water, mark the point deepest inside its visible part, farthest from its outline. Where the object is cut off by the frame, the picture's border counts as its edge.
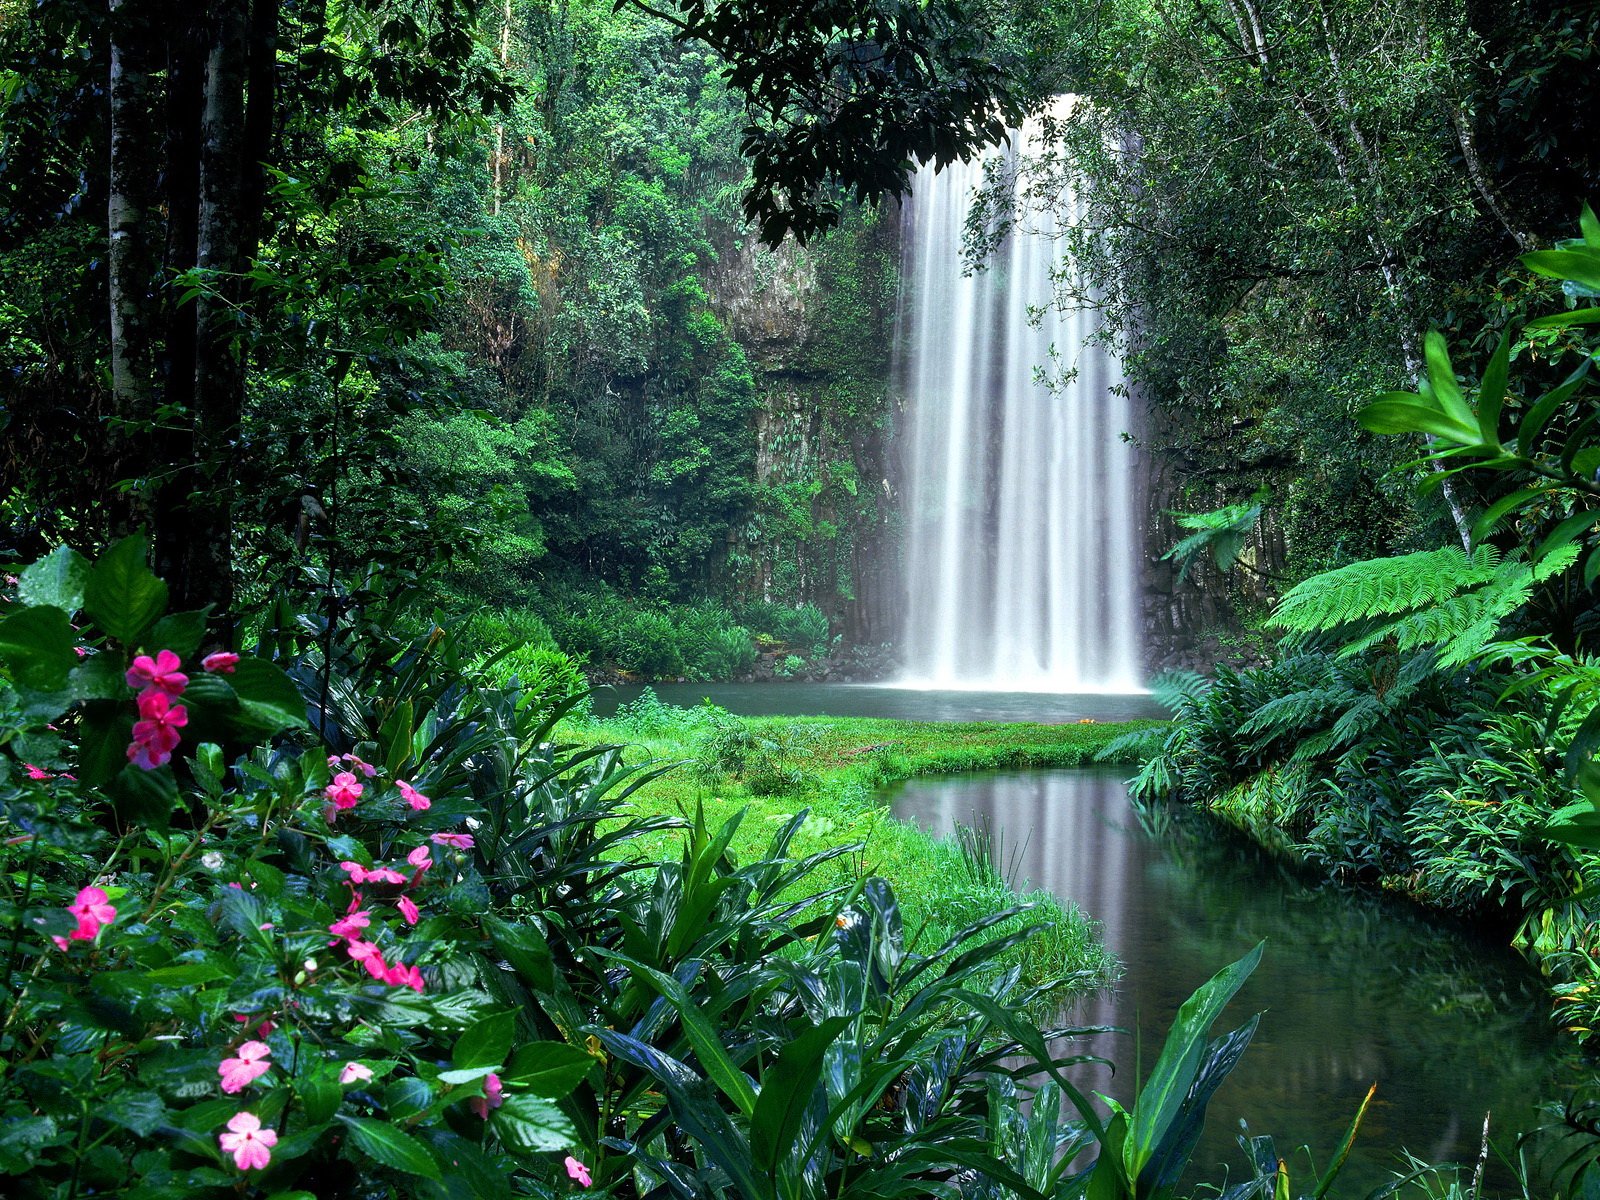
(1354, 989)
(1021, 535)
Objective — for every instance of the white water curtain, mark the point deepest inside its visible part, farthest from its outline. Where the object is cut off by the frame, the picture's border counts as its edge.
(1022, 531)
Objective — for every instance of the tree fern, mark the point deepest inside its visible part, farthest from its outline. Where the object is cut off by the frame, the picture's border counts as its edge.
(1383, 586)
(1444, 600)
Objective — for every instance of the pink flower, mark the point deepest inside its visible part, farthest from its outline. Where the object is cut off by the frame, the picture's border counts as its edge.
(37, 773)
(344, 791)
(223, 661)
(93, 912)
(400, 975)
(360, 874)
(492, 1097)
(355, 1072)
(238, 1073)
(250, 1144)
(369, 957)
(355, 763)
(156, 736)
(158, 674)
(420, 858)
(411, 796)
(262, 1030)
(461, 841)
(407, 909)
(351, 925)
(576, 1170)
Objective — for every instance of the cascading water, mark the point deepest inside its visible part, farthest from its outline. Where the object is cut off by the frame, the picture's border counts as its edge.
(1022, 533)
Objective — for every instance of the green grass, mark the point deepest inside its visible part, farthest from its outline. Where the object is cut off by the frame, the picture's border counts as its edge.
(833, 768)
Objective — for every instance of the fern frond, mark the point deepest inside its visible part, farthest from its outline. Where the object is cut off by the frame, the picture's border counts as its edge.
(1462, 625)
(1379, 587)
(1136, 746)
(1175, 689)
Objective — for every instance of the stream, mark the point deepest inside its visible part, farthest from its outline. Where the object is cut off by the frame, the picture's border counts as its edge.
(1355, 988)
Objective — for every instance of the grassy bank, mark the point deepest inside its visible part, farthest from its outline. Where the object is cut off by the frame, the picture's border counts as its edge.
(774, 767)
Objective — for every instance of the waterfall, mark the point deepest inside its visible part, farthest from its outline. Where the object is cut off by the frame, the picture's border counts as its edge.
(1021, 526)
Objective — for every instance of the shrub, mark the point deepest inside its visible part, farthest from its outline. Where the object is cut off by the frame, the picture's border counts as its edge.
(306, 934)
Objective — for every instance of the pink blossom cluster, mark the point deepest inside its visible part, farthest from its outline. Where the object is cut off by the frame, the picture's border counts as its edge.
(93, 912)
(159, 682)
(356, 920)
(347, 788)
(155, 734)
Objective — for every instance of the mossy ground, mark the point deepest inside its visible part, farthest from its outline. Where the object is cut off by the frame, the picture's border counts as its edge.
(836, 767)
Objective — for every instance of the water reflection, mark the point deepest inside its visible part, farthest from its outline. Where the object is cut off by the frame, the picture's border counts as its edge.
(1355, 989)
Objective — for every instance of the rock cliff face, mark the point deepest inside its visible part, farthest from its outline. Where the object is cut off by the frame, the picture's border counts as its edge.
(816, 324)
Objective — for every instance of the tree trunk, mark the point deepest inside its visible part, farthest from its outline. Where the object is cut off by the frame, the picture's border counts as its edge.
(129, 261)
(205, 535)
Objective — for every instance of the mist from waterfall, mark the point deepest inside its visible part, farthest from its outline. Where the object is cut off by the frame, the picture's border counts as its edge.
(1021, 527)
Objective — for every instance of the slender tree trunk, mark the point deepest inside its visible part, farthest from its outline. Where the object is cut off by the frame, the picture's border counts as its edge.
(130, 264)
(498, 170)
(220, 254)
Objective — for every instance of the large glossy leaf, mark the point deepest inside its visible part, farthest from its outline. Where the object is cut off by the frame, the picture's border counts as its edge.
(1442, 378)
(695, 1108)
(549, 1069)
(36, 647)
(57, 580)
(1580, 266)
(1492, 393)
(391, 1146)
(533, 1124)
(1409, 415)
(270, 699)
(1162, 1097)
(485, 1043)
(123, 596)
(786, 1091)
(1161, 1174)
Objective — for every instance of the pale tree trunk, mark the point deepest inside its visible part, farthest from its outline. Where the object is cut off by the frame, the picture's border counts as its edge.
(1356, 181)
(130, 266)
(498, 168)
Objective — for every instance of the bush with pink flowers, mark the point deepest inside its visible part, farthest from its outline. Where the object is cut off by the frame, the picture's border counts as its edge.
(234, 965)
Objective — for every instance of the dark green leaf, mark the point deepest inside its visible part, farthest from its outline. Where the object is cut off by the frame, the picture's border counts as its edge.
(123, 596)
(56, 580)
(144, 798)
(526, 949)
(134, 1109)
(270, 699)
(1492, 393)
(180, 633)
(486, 1043)
(533, 1125)
(36, 647)
(549, 1069)
(1161, 1098)
(392, 1147)
(786, 1091)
